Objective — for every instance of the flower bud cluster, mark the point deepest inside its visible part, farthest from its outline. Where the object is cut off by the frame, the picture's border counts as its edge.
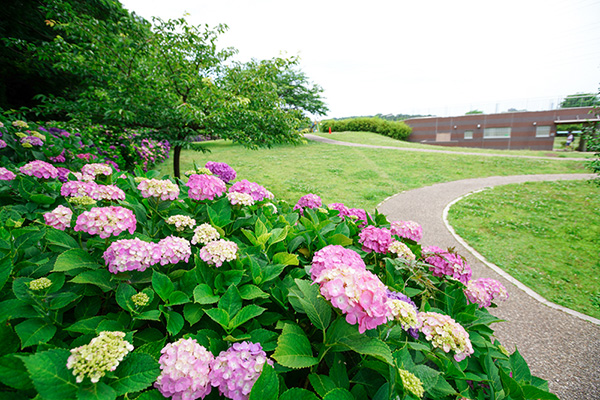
(243, 199)
(445, 333)
(181, 222)
(40, 284)
(401, 250)
(140, 299)
(411, 383)
(81, 200)
(205, 234)
(59, 218)
(219, 251)
(161, 189)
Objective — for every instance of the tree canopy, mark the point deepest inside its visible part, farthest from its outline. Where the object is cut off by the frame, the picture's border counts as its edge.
(580, 100)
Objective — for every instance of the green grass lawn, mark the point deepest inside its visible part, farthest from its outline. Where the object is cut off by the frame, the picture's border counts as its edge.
(545, 234)
(358, 177)
(380, 140)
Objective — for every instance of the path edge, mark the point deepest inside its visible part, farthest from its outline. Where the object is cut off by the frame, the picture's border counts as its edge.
(530, 292)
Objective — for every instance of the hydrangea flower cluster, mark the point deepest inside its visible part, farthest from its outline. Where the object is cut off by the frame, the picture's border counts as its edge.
(59, 158)
(403, 310)
(39, 169)
(174, 249)
(407, 229)
(2, 144)
(334, 256)
(401, 250)
(236, 370)
(63, 174)
(102, 354)
(255, 190)
(185, 367)
(40, 284)
(162, 189)
(81, 200)
(59, 218)
(6, 175)
(222, 170)
(30, 141)
(140, 299)
(483, 291)
(131, 255)
(375, 239)
(217, 252)
(108, 192)
(243, 199)
(205, 234)
(106, 221)
(20, 124)
(445, 333)
(86, 156)
(443, 262)
(411, 383)
(358, 293)
(181, 222)
(78, 189)
(353, 213)
(205, 187)
(308, 201)
(96, 169)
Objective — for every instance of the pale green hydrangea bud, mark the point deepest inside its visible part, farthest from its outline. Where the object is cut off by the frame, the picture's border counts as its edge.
(26, 145)
(38, 135)
(139, 179)
(40, 284)
(21, 135)
(203, 171)
(401, 250)
(411, 383)
(102, 354)
(140, 299)
(20, 124)
(81, 200)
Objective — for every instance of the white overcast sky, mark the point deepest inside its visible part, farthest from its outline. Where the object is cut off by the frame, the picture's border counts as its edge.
(415, 57)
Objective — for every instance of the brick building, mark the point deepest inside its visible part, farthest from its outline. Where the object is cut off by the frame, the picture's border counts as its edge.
(533, 130)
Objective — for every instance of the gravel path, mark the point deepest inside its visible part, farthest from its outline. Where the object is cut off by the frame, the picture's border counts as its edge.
(559, 347)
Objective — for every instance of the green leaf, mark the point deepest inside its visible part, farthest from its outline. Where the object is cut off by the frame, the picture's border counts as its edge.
(219, 316)
(152, 315)
(75, 258)
(51, 378)
(245, 315)
(338, 372)
(137, 372)
(219, 212)
(60, 238)
(6, 267)
(285, 259)
(192, 313)
(340, 239)
(177, 298)
(151, 348)
(266, 386)
(511, 387)
(293, 348)
(42, 199)
(123, 296)
(96, 391)
(342, 333)
(153, 394)
(34, 331)
(532, 392)
(99, 277)
(251, 292)
(84, 326)
(13, 373)
(203, 294)
(339, 394)
(321, 383)
(259, 228)
(519, 367)
(162, 285)
(175, 322)
(298, 394)
(315, 306)
(278, 235)
(231, 301)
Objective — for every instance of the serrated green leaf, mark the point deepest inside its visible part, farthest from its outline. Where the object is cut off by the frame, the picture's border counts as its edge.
(96, 391)
(152, 315)
(511, 387)
(346, 335)
(245, 315)
(519, 367)
(231, 301)
(219, 212)
(532, 392)
(266, 386)
(278, 235)
(85, 326)
(162, 285)
(340, 239)
(13, 373)
(293, 348)
(153, 394)
(175, 322)
(285, 259)
(50, 377)
(298, 394)
(34, 331)
(251, 292)
(177, 298)
(73, 259)
(6, 267)
(321, 383)
(99, 277)
(137, 372)
(192, 313)
(60, 238)
(42, 198)
(317, 308)
(203, 294)
(339, 394)
(266, 338)
(219, 316)
(123, 296)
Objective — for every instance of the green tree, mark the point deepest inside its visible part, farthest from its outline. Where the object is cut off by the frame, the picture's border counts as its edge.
(474, 112)
(580, 100)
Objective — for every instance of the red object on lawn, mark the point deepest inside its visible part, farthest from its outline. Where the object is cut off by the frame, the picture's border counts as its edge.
(330, 130)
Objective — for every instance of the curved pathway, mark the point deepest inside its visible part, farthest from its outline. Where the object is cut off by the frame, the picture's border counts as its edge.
(560, 347)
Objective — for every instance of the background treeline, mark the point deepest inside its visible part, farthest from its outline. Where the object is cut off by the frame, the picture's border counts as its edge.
(394, 129)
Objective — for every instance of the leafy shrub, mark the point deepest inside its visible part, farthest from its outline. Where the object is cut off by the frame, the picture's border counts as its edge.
(227, 282)
(394, 129)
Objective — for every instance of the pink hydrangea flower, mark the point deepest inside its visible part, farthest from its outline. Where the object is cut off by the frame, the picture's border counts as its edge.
(308, 201)
(344, 211)
(333, 256)
(222, 170)
(375, 239)
(443, 263)
(39, 169)
(205, 234)
(59, 218)
(96, 169)
(2, 144)
(86, 156)
(185, 367)
(483, 291)
(219, 251)
(257, 191)
(108, 192)
(445, 333)
(205, 187)
(407, 229)
(6, 175)
(236, 370)
(131, 255)
(29, 141)
(174, 249)
(106, 221)
(79, 189)
(59, 158)
(359, 214)
(162, 189)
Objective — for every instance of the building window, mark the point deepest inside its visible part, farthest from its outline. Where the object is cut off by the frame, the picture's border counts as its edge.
(496, 133)
(542, 131)
(468, 134)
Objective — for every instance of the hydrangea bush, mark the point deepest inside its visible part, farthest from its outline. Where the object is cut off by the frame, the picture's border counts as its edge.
(175, 291)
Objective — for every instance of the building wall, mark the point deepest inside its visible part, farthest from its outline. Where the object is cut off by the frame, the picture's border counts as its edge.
(450, 131)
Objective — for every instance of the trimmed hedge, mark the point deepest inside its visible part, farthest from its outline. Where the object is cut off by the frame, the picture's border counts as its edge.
(395, 129)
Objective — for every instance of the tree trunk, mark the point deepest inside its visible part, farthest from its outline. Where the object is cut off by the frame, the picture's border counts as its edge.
(176, 157)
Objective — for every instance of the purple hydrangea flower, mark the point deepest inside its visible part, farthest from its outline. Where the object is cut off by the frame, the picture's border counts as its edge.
(39, 169)
(375, 239)
(205, 187)
(443, 262)
(131, 255)
(308, 201)
(255, 190)
(222, 170)
(6, 175)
